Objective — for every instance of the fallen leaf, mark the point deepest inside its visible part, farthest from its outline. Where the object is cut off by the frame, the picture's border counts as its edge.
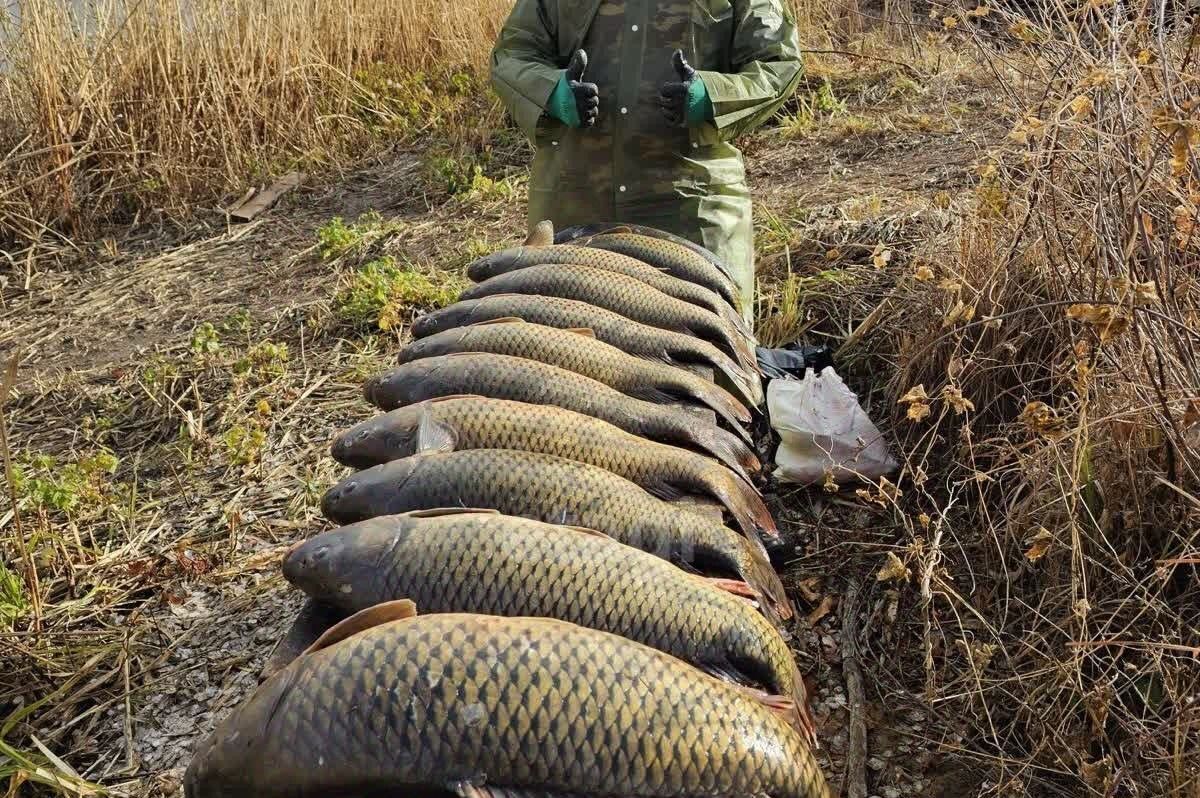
(1039, 544)
(833, 254)
(1082, 105)
(980, 654)
(953, 396)
(923, 519)
(915, 394)
(949, 23)
(923, 273)
(881, 256)
(918, 411)
(810, 588)
(893, 570)
(823, 609)
(1043, 420)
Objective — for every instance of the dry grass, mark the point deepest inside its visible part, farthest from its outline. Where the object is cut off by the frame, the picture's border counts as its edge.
(125, 112)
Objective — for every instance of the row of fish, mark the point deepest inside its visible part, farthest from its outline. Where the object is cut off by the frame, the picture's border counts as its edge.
(535, 588)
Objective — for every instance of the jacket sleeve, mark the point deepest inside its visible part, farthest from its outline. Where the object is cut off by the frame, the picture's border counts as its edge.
(766, 58)
(524, 72)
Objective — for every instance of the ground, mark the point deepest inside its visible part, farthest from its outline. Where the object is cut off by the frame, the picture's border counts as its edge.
(168, 352)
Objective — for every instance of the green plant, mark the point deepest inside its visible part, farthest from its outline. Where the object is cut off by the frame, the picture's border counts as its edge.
(380, 291)
(263, 362)
(51, 486)
(244, 443)
(13, 602)
(205, 340)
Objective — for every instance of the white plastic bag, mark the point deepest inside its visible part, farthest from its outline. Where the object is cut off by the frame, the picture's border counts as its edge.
(824, 431)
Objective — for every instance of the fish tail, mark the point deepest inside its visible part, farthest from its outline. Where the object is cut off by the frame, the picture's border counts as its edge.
(720, 400)
(736, 321)
(746, 507)
(756, 571)
(803, 719)
(725, 447)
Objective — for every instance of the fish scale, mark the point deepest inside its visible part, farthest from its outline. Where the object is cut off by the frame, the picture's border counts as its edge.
(621, 294)
(598, 257)
(556, 490)
(573, 710)
(612, 328)
(476, 422)
(502, 565)
(508, 377)
(578, 351)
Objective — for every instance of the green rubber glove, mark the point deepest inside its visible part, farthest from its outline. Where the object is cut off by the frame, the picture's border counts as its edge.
(699, 104)
(573, 102)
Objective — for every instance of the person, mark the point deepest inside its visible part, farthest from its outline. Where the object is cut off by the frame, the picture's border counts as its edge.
(632, 107)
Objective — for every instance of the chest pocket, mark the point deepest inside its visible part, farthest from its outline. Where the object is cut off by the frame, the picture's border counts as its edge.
(712, 34)
(571, 21)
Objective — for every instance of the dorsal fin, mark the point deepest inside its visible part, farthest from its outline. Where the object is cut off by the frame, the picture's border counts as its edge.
(362, 620)
(586, 332)
(438, 512)
(588, 531)
(502, 320)
(542, 234)
(452, 396)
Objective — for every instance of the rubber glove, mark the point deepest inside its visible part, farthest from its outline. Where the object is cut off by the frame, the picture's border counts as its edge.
(686, 101)
(573, 102)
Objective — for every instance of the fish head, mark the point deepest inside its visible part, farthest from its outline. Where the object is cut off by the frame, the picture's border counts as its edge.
(496, 263)
(380, 439)
(237, 759)
(403, 385)
(342, 567)
(375, 491)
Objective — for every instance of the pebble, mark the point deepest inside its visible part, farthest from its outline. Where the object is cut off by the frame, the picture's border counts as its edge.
(875, 763)
(891, 792)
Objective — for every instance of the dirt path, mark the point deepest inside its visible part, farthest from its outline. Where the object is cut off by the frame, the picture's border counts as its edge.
(193, 557)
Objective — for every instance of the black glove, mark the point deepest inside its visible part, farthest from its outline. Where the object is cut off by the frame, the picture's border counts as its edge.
(673, 96)
(587, 95)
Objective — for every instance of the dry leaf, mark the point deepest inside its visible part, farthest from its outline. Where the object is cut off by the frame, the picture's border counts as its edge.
(880, 257)
(915, 394)
(1039, 544)
(1192, 414)
(953, 396)
(980, 654)
(923, 519)
(1082, 105)
(821, 611)
(1180, 149)
(810, 588)
(918, 411)
(986, 170)
(1042, 419)
(923, 273)
(893, 570)
(263, 407)
(1145, 57)
(833, 254)
(979, 11)
(949, 23)
(949, 285)
(1108, 320)
(960, 312)
(1023, 31)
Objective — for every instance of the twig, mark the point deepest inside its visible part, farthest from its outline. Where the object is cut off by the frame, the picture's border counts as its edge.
(908, 67)
(855, 783)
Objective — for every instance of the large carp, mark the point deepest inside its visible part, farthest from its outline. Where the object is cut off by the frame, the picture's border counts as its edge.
(483, 707)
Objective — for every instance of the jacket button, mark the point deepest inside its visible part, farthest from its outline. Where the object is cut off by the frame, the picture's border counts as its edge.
(622, 188)
(624, 110)
(634, 28)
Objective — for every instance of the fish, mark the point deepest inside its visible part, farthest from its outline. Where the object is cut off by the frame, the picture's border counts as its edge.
(508, 377)
(458, 423)
(556, 490)
(640, 340)
(627, 296)
(579, 351)
(394, 703)
(674, 259)
(570, 234)
(495, 564)
(652, 274)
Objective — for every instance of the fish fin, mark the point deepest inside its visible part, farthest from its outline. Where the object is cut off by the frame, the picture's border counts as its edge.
(588, 531)
(586, 332)
(362, 620)
(727, 448)
(761, 574)
(500, 320)
(707, 414)
(451, 396)
(542, 234)
(465, 789)
(735, 586)
(725, 672)
(433, 436)
(784, 706)
(313, 620)
(437, 512)
(746, 506)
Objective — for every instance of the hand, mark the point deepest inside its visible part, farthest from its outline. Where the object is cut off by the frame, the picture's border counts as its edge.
(587, 95)
(673, 96)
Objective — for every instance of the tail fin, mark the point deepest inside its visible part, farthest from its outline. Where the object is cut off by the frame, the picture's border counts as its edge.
(313, 620)
(756, 570)
(720, 400)
(726, 448)
(735, 320)
(803, 719)
(748, 384)
(745, 505)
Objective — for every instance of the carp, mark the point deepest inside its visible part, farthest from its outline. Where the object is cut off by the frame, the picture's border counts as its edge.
(508, 377)
(559, 491)
(651, 273)
(457, 423)
(629, 336)
(627, 296)
(484, 562)
(484, 707)
(579, 351)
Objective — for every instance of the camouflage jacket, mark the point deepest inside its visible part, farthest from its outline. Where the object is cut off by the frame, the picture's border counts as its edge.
(632, 166)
